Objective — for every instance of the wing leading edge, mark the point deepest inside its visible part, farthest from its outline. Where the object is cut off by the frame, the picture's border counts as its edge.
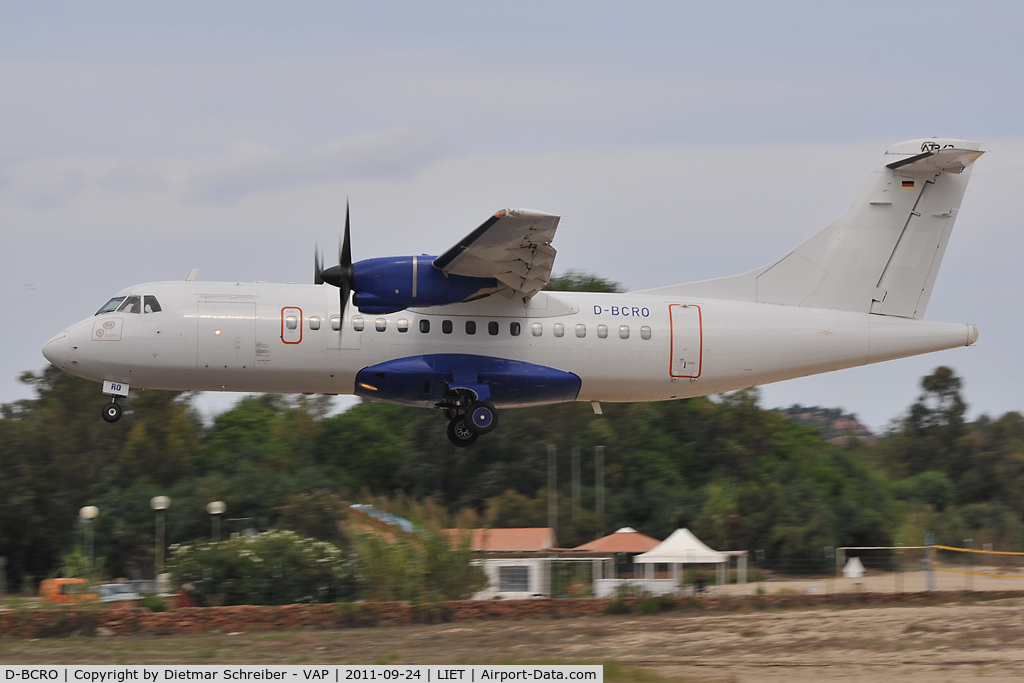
(513, 246)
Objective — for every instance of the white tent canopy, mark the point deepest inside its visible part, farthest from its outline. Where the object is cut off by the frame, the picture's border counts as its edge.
(682, 547)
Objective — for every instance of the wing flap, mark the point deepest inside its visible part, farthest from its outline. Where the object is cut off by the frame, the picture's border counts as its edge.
(513, 246)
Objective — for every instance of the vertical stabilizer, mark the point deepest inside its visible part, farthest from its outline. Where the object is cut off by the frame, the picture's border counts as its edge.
(883, 254)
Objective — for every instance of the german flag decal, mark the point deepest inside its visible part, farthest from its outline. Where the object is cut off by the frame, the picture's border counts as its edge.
(908, 184)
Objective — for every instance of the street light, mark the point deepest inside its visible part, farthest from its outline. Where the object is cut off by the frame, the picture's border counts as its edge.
(87, 514)
(216, 509)
(160, 504)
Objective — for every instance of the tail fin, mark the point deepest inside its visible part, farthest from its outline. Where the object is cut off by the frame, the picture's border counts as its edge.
(883, 254)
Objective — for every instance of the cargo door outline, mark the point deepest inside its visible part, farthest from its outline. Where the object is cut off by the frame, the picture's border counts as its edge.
(687, 341)
(226, 334)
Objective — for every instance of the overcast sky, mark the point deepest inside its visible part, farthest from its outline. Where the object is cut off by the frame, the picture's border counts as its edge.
(679, 141)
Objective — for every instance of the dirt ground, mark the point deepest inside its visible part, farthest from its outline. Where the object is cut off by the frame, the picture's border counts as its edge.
(978, 639)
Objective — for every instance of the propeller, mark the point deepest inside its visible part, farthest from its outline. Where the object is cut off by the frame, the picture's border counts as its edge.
(341, 275)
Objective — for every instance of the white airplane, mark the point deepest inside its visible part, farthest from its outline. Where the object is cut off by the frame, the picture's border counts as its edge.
(470, 330)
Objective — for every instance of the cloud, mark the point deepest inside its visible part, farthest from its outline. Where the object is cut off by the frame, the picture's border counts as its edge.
(42, 187)
(243, 169)
(248, 167)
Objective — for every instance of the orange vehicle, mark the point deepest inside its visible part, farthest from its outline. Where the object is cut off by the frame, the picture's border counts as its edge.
(66, 591)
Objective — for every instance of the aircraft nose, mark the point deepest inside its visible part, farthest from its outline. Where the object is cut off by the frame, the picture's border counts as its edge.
(56, 350)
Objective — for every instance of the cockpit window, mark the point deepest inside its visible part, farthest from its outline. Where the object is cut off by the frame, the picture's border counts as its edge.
(111, 305)
(151, 304)
(132, 304)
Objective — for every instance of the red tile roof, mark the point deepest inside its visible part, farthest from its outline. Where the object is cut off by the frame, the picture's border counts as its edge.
(511, 540)
(622, 541)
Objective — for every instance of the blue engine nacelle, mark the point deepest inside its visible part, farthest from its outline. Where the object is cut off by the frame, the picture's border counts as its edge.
(386, 285)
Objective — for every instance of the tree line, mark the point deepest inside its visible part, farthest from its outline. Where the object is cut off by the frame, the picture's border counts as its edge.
(739, 476)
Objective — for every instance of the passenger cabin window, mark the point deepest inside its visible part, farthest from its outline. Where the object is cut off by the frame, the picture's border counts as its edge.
(602, 331)
(111, 305)
(645, 332)
(380, 324)
(558, 329)
(336, 322)
(514, 329)
(403, 325)
(623, 331)
(291, 322)
(537, 329)
(470, 327)
(358, 324)
(446, 326)
(424, 325)
(151, 304)
(581, 330)
(132, 304)
(314, 323)
(492, 328)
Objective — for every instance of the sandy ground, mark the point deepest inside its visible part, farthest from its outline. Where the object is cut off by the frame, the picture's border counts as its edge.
(952, 642)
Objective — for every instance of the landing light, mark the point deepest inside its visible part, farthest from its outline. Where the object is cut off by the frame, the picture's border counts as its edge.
(217, 332)
(367, 386)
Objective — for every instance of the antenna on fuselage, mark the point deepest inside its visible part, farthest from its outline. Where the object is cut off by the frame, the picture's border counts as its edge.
(193, 273)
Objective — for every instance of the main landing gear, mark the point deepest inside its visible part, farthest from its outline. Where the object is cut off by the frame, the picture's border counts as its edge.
(467, 424)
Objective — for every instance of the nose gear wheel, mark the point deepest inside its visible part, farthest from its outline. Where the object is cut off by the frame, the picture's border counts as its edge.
(112, 412)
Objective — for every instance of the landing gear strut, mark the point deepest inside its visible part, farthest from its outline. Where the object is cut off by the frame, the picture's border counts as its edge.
(112, 411)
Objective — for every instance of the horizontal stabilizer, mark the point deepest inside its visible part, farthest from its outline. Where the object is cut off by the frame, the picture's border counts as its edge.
(939, 161)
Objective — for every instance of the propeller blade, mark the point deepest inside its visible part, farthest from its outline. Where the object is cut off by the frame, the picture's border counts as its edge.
(343, 292)
(318, 265)
(345, 253)
(345, 263)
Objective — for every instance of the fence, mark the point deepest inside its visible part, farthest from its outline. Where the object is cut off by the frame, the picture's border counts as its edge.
(891, 569)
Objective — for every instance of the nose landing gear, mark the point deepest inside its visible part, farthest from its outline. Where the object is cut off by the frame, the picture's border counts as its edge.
(116, 391)
(112, 411)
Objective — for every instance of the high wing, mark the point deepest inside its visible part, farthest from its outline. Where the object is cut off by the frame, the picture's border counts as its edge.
(512, 246)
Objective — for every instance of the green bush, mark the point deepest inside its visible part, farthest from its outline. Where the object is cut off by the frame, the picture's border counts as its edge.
(273, 568)
(617, 606)
(655, 604)
(154, 603)
(421, 567)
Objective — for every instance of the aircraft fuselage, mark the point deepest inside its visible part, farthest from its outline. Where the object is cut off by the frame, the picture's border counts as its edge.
(260, 337)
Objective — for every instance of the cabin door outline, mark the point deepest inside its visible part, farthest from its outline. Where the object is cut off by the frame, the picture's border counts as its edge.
(226, 334)
(687, 343)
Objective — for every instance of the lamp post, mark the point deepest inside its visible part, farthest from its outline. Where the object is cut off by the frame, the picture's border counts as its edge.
(87, 514)
(216, 509)
(160, 505)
